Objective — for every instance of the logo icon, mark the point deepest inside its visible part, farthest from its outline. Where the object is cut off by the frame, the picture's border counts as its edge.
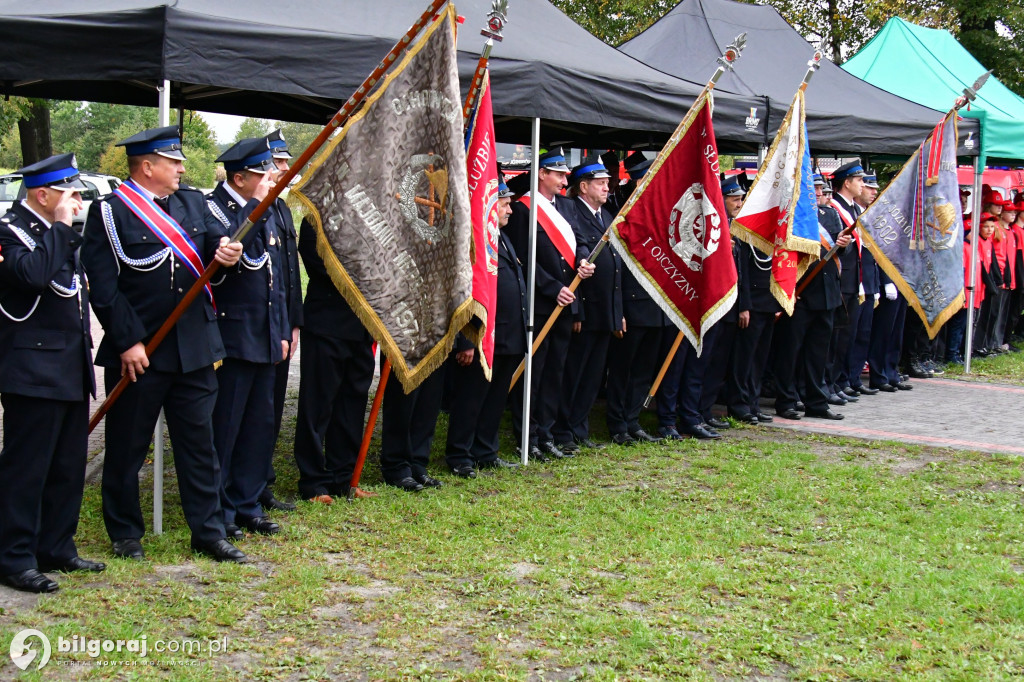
(695, 228)
(22, 652)
(752, 120)
(429, 215)
(969, 142)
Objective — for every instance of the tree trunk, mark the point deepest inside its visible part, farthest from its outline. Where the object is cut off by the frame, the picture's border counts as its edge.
(834, 32)
(35, 133)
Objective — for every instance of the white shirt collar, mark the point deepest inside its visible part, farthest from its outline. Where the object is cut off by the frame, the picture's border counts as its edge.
(145, 191)
(233, 194)
(41, 218)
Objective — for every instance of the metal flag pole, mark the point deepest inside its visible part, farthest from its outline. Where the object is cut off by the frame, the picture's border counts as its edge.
(336, 122)
(524, 441)
(496, 20)
(972, 293)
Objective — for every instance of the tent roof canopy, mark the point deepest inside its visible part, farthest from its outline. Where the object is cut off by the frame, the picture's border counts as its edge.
(844, 113)
(929, 66)
(301, 64)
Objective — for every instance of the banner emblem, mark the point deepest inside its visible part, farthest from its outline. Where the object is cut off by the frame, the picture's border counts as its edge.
(689, 233)
(425, 185)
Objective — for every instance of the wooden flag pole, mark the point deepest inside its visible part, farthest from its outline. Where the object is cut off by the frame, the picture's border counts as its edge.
(729, 56)
(664, 369)
(495, 23)
(282, 183)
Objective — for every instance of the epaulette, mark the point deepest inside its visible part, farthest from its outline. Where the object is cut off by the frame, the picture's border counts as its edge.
(188, 188)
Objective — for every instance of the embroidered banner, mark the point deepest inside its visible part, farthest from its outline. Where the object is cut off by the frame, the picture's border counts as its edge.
(390, 200)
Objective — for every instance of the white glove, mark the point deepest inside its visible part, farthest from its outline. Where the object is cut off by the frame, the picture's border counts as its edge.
(890, 291)
(877, 296)
(860, 290)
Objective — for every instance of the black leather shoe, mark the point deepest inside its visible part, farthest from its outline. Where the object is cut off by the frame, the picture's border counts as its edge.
(428, 481)
(75, 563)
(30, 580)
(623, 439)
(233, 531)
(717, 423)
(791, 413)
(499, 463)
(537, 456)
(835, 399)
(220, 550)
(699, 431)
(886, 388)
(129, 548)
(643, 437)
(867, 390)
(825, 414)
(548, 447)
(408, 484)
(567, 448)
(669, 433)
(746, 418)
(903, 386)
(850, 392)
(271, 503)
(764, 417)
(464, 471)
(258, 524)
(849, 398)
(800, 406)
(589, 444)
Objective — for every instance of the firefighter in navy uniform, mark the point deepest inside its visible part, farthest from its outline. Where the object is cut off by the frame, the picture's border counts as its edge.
(802, 340)
(599, 314)
(479, 404)
(291, 286)
(847, 185)
(551, 290)
(46, 377)
(143, 248)
(253, 317)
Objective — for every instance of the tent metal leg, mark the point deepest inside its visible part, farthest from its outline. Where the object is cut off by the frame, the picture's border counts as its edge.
(531, 292)
(158, 433)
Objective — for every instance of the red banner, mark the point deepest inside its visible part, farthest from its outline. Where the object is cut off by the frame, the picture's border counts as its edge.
(674, 231)
(481, 159)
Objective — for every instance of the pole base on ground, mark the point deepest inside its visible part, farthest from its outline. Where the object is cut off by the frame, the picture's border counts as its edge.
(359, 493)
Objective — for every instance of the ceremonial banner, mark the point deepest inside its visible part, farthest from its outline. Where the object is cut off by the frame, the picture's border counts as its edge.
(390, 201)
(780, 214)
(483, 201)
(673, 232)
(915, 231)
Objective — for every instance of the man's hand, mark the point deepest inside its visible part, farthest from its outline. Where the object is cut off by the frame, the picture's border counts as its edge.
(842, 241)
(228, 252)
(134, 362)
(577, 327)
(620, 334)
(284, 350)
(67, 207)
(295, 343)
(565, 297)
(744, 320)
(586, 269)
(464, 357)
(266, 184)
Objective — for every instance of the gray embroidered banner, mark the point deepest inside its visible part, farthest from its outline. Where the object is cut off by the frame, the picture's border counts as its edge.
(390, 201)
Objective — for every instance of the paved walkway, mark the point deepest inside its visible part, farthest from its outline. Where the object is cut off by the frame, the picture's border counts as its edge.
(966, 415)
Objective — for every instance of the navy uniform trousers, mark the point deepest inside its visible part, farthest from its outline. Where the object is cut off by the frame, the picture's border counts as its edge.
(632, 363)
(407, 428)
(681, 389)
(475, 416)
(750, 355)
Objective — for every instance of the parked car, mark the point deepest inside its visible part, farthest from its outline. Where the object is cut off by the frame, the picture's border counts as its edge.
(99, 186)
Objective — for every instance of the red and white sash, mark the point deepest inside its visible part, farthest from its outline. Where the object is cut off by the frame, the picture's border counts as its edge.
(557, 228)
(166, 229)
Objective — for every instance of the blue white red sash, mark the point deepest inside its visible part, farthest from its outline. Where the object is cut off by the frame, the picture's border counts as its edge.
(166, 229)
(557, 228)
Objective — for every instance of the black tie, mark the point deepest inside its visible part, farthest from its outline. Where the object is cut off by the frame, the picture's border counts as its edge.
(164, 204)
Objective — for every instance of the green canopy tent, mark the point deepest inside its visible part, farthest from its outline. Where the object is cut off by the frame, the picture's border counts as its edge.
(929, 66)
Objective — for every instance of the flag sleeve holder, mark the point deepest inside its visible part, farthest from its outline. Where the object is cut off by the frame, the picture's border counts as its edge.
(336, 122)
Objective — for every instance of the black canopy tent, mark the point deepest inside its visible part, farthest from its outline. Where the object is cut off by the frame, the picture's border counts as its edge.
(255, 59)
(844, 113)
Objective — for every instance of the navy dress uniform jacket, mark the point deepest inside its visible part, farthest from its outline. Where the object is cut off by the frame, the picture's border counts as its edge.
(49, 353)
(553, 272)
(325, 311)
(251, 306)
(823, 292)
(850, 259)
(510, 315)
(600, 296)
(132, 301)
(755, 293)
(291, 283)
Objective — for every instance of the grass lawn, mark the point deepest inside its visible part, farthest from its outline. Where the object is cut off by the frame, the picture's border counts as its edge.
(1006, 368)
(768, 555)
